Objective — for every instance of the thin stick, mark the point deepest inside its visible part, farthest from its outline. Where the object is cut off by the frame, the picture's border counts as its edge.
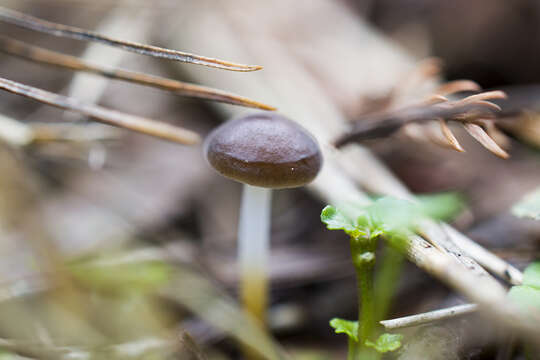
(29, 22)
(111, 117)
(429, 317)
(37, 54)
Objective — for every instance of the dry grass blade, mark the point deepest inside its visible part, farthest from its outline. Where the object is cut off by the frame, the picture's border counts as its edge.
(33, 23)
(449, 135)
(456, 86)
(110, 117)
(483, 138)
(41, 55)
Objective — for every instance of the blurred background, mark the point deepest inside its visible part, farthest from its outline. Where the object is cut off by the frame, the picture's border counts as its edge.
(118, 245)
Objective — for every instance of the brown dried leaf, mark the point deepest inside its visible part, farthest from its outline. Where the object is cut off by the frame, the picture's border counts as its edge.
(483, 138)
(29, 22)
(111, 117)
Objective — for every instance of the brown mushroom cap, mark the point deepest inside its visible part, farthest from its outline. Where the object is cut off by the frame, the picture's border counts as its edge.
(264, 149)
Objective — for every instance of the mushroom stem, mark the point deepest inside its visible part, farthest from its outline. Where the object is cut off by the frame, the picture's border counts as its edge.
(253, 249)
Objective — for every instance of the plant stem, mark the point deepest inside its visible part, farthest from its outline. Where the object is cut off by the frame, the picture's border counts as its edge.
(366, 308)
(386, 281)
(363, 254)
(351, 355)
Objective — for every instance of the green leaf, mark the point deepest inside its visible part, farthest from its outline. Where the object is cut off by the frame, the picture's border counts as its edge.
(337, 220)
(342, 326)
(531, 275)
(529, 206)
(386, 342)
(391, 216)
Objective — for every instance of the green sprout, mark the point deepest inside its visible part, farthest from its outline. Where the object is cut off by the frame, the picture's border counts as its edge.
(391, 220)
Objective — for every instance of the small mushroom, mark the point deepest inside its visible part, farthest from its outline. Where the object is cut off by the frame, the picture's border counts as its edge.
(264, 151)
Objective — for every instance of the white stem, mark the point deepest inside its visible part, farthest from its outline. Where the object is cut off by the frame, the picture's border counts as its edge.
(429, 317)
(253, 249)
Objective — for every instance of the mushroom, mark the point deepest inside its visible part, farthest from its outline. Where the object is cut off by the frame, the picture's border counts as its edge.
(264, 151)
